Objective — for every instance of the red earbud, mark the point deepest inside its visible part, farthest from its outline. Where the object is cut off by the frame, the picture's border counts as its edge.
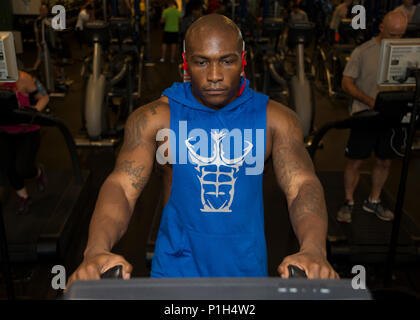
(243, 60)
(184, 64)
(243, 71)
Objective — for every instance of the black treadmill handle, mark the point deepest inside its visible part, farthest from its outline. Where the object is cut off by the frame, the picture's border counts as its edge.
(113, 273)
(116, 272)
(295, 272)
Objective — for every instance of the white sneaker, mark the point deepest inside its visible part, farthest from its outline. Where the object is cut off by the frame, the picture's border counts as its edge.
(162, 60)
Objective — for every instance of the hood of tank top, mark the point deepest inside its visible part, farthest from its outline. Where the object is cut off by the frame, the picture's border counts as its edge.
(182, 94)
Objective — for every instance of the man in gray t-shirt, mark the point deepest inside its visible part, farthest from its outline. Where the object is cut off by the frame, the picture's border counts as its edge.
(359, 81)
(363, 68)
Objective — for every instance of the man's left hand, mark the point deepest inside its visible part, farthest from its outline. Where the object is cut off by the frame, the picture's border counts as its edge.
(314, 264)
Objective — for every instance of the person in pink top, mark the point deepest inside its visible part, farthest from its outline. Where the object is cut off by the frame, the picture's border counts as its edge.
(19, 143)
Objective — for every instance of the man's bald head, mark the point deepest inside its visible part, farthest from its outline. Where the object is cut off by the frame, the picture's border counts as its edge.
(394, 25)
(215, 59)
(394, 18)
(212, 25)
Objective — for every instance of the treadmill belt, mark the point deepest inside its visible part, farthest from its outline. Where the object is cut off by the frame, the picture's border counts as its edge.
(24, 231)
(365, 229)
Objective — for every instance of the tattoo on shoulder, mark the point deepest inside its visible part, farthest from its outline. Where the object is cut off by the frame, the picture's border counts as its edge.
(152, 107)
(138, 120)
(135, 174)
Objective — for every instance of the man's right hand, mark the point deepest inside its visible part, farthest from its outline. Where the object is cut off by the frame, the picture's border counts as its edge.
(349, 86)
(92, 267)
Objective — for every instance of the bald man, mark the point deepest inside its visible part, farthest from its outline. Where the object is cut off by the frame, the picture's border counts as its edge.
(211, 137)
(360, 82)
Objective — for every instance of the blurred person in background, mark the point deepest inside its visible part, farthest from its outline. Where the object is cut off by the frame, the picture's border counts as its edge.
(171, 17)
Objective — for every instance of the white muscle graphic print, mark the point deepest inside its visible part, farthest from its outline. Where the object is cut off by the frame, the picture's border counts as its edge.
(217, 174)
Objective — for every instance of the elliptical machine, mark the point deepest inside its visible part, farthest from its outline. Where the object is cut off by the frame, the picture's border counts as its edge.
(331, 59)
(274, 28)
(300, 87)
(51, 43)
(105, 82)
(95, 110)
(301, 97)
(262, 49)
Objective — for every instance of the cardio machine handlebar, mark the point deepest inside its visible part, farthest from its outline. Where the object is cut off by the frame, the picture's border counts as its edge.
(120, 75)
(116, 272)
(361, 119)
(113, 273)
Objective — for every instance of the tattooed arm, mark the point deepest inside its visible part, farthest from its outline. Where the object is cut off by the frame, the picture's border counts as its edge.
(304, 193)
(118, 194)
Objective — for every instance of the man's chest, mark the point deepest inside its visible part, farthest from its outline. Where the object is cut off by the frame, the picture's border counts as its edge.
(369, 65)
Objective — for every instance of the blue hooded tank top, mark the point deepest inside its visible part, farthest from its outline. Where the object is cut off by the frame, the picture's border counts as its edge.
(213, 222)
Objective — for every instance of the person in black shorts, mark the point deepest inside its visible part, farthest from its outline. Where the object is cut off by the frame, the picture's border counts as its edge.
(171, 16)
(360, 82)
(170, 37)
(385, 143)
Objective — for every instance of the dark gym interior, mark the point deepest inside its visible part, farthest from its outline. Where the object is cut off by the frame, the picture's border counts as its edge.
(55, 229)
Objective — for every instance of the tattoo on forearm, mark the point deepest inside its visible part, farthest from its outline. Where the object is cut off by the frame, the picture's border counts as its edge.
(292, 163)
(136, 174)
(309, 202)
(290, 157)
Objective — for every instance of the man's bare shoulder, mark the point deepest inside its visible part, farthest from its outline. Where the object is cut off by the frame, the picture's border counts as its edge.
(277, 108)
(143, 124)
(155, 114)
(281, 119)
